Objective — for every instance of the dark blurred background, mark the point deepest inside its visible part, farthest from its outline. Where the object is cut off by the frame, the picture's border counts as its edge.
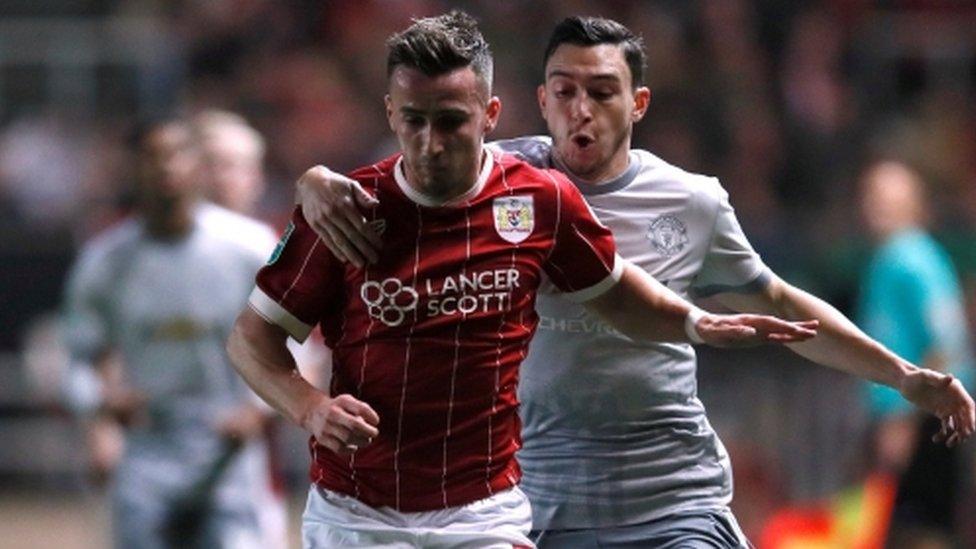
(782, 100)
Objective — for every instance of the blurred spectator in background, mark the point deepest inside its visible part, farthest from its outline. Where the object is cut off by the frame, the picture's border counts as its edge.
(161, 290)
(233, 160)
(233, 173)
(911, 301)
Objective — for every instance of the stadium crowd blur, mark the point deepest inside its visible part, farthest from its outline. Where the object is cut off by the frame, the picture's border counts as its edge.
(784, 101)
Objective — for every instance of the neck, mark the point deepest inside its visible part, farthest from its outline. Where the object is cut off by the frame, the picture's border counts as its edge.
(899, 226)
(606, 172)
(169, 222)
(446, 191)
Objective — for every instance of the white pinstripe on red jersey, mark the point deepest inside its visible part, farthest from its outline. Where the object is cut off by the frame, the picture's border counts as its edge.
(369, 330)
(406, 360)
(454, 366)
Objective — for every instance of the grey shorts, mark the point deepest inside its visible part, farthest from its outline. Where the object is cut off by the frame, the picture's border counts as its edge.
(712, 529)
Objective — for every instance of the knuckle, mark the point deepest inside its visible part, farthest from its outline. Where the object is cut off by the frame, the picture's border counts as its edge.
(334, 411)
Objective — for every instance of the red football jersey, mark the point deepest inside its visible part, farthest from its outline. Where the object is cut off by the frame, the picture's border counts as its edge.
(432, 335)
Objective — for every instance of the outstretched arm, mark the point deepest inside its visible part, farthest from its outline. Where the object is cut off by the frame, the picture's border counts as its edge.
(258, 351)
(644, 309)
(842, 346)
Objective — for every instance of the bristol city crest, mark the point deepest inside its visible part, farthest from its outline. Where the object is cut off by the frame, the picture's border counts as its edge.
(668, 235)
(514, 217)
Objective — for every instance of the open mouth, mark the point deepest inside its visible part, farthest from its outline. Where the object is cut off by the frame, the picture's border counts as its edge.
(583, 141)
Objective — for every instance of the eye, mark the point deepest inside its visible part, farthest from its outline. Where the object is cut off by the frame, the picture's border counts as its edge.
(414, 120)
(562, 92)
(602, 94)
(450, 122)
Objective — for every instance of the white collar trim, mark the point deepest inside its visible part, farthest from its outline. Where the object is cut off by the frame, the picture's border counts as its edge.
(487, 163)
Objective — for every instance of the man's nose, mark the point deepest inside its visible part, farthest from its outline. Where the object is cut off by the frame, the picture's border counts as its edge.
(582, 110)
(433, 142)
(170, 168)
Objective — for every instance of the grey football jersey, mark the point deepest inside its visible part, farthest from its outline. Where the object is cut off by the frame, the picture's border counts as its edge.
(614, 433)
(168, 308)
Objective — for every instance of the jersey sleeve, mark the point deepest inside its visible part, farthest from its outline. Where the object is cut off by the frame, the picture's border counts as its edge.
(534, 149)
(86, 323)
(85, 330)
(730, 264)
(300, 281)
(583, 262)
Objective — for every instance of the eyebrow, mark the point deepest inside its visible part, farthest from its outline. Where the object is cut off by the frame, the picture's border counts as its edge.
(600, 76)
(450, 111)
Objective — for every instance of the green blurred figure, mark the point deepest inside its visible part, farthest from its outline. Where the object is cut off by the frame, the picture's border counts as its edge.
(912, 303)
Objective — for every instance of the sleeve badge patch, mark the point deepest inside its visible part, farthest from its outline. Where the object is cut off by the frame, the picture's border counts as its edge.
(281, 244)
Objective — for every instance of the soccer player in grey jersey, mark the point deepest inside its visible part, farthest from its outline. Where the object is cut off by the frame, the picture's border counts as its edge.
(617, 449)
(162, 289)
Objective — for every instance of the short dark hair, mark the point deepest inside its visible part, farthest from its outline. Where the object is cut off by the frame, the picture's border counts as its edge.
(438, 45)
(147, 125)
(593, 31)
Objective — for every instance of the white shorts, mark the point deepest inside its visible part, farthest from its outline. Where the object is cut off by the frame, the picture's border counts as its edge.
(337, 520)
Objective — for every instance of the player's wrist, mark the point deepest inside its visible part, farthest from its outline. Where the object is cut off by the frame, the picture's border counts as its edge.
(311, 414)
(902, 375)
(898, 373)
(691, 324)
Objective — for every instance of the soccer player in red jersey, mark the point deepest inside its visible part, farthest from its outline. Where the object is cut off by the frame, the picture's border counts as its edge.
(415, 444)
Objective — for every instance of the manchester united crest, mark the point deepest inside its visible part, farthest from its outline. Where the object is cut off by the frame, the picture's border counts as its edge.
(514, 217)
(668, 235)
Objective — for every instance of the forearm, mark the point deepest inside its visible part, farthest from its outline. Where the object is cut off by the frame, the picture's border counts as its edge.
(81, 388)
(259, 353)
(642, 308)
(839, 343)
(843, 346)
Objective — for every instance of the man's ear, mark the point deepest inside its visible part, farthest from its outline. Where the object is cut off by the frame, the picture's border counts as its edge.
(642, 99)
(492, 111)
(540, 94)
(389, 111)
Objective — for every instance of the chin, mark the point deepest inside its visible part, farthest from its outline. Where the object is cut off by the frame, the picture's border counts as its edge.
(439, 187)
(580, 169)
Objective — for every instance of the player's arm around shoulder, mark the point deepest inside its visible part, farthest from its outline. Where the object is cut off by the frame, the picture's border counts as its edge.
(334, 206)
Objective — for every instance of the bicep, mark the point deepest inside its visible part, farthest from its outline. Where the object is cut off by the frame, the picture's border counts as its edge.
(769, 297)
(608, 305)
(730, 263)
(641, 307)
(259, 338)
